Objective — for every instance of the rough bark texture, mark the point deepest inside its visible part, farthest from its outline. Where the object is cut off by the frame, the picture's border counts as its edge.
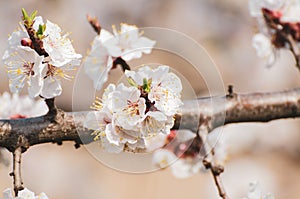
(212, 112)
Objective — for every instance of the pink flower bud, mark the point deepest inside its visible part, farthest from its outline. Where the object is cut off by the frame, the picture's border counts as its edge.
(26, 42)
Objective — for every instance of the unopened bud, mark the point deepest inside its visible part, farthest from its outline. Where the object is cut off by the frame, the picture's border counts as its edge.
(26, 42)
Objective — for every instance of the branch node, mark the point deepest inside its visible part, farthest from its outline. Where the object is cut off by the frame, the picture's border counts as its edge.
(231, 93)
(77, 145)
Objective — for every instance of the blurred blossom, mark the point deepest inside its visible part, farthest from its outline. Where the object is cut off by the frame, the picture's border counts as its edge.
(256, 193)
(182, 153)
(263, 47)
(23, 194)
(15, 106)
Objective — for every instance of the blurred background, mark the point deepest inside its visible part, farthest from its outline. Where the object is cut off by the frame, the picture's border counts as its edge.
(268, 153)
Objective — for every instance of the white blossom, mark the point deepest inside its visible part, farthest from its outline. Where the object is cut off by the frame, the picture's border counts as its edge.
(99, 62)
(126, 117)
(23, 194)
(183, 165)
(42, 74)
(181, 168)
(128, 43)
(14, 106)
(59, 47)
(24, 65)
(131, 43)
(155, 122)
(291, 13)
(165, 87)
(255, 6)
(52, 79)
(256, 193)
(264, 47)
(128, 107)
(217, 143)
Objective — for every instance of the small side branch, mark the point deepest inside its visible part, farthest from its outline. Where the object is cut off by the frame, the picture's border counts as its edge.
(216, 171)
(122, 63)
(18, 183)
(94, 23)
(52, 110)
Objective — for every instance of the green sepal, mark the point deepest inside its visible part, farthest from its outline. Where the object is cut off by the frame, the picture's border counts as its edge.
(28, 20)
(147, 85)
(40, 31)
(25, 15)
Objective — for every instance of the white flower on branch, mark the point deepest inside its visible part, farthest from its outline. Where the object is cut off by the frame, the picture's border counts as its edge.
(52, 79)
(128, 44)
(41, 73)
(99, 62)
(24, 65)
(182, 153)
(62, 56)
(126, 117)
(180, 167)
(164, 87)
(128, 107)
(24, 194)
(264, 47)
(15, 106)
(58, 46)
(256, 193)
(255, 6)
(278, 24)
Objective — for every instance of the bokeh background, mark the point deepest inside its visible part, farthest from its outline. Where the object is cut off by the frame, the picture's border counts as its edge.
(268, 153)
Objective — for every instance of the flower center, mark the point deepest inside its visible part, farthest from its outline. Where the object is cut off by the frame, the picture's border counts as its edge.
(27, 69)
(54, 71)
(132, 108)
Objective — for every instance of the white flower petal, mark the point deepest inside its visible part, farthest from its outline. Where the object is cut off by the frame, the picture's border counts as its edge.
(163, 158)
(183, 135)
(59, 47)
(51, 88)
(26, 194)
(254, 191)
(7, 194)
(263, 47)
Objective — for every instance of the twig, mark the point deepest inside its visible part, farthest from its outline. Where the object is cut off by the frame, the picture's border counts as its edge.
(94, 23)
(215, 170)
(122, 63)
(52, 110)
(18, 183)
(219, 184)
(294, 49)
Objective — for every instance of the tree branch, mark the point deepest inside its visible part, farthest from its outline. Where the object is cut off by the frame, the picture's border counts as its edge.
(234, 108)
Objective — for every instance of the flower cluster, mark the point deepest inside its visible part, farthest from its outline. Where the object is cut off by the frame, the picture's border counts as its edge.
(182, 152)
(39, 55)
(128, 44)
(279, 26)
(256, 193)
(24, 194)
(130, 116)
